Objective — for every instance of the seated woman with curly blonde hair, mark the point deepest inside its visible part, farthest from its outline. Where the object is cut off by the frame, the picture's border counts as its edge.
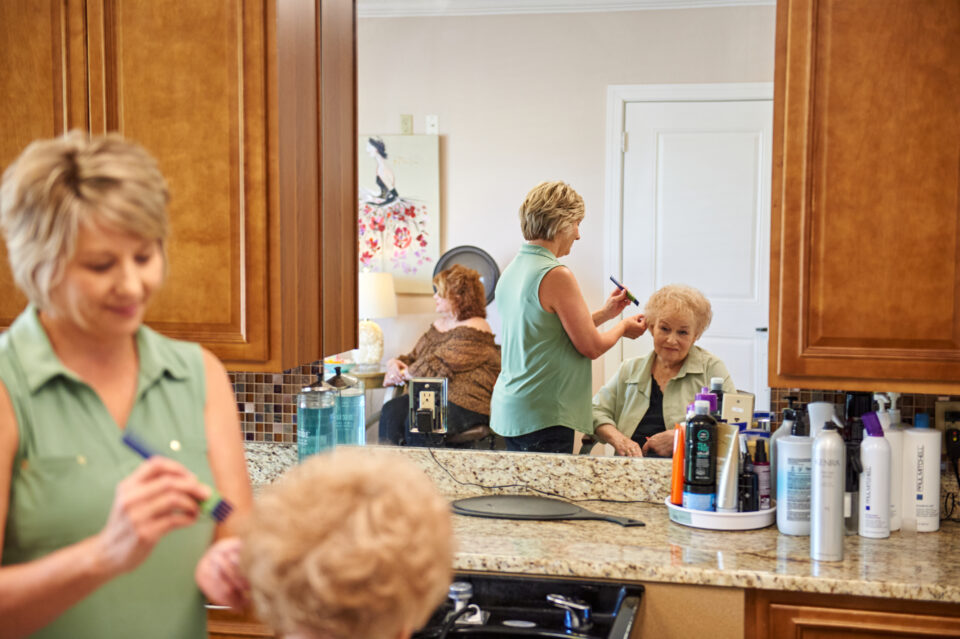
(636, 409)
(349, 544)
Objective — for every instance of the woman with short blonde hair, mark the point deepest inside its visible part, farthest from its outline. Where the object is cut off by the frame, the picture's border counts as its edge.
(54, 188)
(636, 409)
(542, 394)
(549, 207)
(350, 544)
(84, 521)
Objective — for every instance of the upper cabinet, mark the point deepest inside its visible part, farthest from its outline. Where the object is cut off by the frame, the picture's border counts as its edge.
(865, 264)
(250, 109)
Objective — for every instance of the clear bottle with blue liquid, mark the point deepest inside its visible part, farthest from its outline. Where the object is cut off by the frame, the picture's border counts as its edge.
(316, 408)
(350, 421)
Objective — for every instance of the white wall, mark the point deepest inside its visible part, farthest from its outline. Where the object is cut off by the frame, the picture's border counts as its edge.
(522, 98)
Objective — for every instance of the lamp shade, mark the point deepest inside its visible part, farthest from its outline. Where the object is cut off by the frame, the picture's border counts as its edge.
(376, 296)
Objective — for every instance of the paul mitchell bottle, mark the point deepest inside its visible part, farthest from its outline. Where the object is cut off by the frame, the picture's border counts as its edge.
(921, 476)
(874, 480)
(827, 480)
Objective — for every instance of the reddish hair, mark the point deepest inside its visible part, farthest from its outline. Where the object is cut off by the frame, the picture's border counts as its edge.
(462, 286)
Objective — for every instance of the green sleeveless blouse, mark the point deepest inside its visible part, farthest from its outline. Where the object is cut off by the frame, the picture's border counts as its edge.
(71, 458)
(544, 381)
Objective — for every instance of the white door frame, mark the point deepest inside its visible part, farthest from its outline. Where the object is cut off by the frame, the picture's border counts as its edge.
(618, 95)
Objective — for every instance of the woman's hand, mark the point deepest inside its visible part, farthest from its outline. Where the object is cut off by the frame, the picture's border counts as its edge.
(158, 497)
(661, 444)
(397, 373)
(218, 574)
(634, 327)
(622, 445)
(613, 306)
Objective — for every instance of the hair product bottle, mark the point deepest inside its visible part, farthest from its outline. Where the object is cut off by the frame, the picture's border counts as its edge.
(716, 387)
(761, 466)
(921, 476)
(786, 428)
(748, 499)
(793, 484)
(827, 480)
(676, 475)
(894, 435)
(700, 460)
(874, 480)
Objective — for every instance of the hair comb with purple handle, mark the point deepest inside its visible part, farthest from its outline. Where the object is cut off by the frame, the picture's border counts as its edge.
(214, 505)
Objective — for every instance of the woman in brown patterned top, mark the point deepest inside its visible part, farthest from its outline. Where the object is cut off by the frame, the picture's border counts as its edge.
(459, 346)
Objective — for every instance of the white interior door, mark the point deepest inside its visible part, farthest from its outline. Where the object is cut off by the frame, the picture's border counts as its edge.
(696, 210)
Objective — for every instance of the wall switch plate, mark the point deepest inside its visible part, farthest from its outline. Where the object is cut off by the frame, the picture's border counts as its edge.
(433, 125)
(406, 124)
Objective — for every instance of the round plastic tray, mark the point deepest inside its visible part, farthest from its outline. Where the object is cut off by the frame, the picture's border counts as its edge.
(721, 521)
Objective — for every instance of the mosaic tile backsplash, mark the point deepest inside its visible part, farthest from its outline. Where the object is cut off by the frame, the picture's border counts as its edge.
(267, 402)
(909, 404)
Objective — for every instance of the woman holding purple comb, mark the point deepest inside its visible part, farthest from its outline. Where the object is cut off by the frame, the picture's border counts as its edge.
(95, 541)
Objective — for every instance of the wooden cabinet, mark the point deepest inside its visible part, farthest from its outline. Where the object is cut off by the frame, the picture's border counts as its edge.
(250, 108)
(229, 624)
(865, 265)
(778, 614)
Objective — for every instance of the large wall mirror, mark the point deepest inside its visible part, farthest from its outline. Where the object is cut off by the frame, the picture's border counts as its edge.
(521, 94)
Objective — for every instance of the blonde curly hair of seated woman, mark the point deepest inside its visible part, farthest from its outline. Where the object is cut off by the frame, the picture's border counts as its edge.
(350, 544)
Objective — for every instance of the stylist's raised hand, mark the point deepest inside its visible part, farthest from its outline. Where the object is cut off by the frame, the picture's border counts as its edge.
(634, 327)
(159, 496)
(614, 304)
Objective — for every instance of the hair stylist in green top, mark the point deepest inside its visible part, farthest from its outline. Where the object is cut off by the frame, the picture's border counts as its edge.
(95, 541)
(549, 335)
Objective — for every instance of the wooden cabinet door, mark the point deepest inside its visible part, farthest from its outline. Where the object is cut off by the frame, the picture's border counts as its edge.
(771, 615)
(43, 89)
(250, 109)
(865, 264)
(188, 81)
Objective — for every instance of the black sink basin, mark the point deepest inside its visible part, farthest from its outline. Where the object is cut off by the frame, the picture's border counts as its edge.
(518, 607)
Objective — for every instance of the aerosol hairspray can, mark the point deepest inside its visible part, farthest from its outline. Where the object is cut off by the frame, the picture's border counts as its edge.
(828, 475)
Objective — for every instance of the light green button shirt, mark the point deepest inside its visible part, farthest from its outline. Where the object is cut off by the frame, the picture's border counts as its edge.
(544, 381)
(69, 461)
(625, 398)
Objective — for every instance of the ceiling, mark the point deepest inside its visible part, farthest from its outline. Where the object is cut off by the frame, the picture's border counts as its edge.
(410, 8)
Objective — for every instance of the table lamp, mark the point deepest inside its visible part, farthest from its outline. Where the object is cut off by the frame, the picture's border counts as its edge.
(376, 299)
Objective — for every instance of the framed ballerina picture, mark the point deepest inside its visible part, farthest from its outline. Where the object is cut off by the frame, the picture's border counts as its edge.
(399, 208)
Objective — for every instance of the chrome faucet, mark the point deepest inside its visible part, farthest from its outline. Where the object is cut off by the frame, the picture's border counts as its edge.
(460, 593)
(577, 613)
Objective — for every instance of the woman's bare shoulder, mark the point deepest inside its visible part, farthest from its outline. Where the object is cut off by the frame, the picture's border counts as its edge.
(478, 323)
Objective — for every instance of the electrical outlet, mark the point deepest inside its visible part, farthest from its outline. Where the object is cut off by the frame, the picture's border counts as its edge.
(427, 400)
(428, 405)
(406, 124)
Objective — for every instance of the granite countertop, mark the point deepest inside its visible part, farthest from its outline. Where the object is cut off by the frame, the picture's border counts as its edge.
(918, 566)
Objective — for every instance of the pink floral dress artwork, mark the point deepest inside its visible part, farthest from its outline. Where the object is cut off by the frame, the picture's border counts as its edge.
(392, 229)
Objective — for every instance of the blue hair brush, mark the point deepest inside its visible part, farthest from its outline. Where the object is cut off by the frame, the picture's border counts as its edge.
(214, 505)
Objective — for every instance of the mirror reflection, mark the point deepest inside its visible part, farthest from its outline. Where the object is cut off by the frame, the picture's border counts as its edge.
(522, 98)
